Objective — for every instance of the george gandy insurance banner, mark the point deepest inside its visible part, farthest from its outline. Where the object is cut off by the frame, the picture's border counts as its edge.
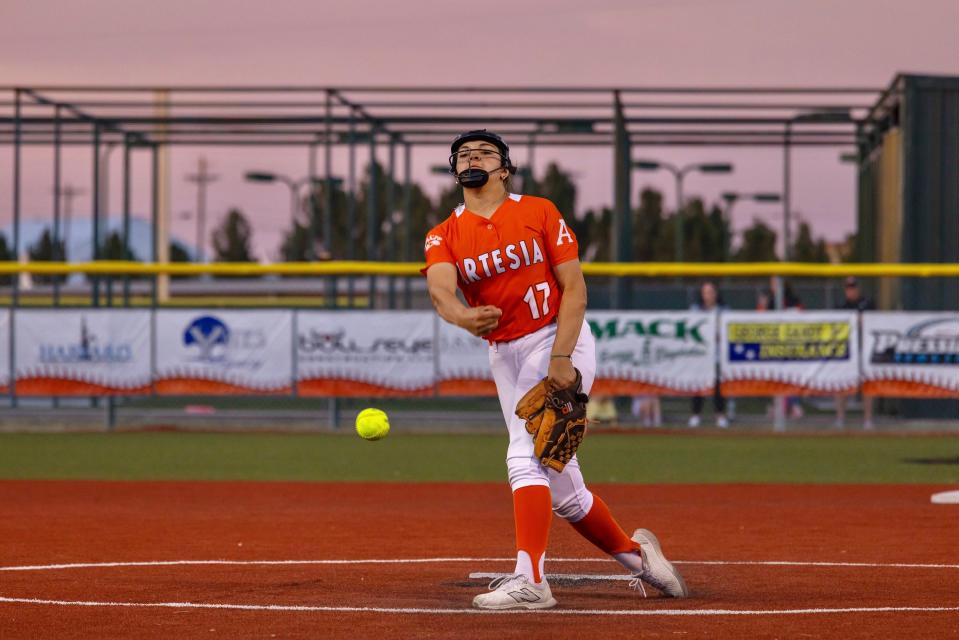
(223, 352)
(789, 353)
(654, 353)
(463, 367)
(82, 352)
(910, 354)
(362, 353)
(5, 351)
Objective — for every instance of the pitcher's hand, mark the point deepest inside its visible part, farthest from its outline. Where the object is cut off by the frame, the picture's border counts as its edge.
(481, 320)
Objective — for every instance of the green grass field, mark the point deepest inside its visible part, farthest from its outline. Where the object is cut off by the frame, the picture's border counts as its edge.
(646, 458)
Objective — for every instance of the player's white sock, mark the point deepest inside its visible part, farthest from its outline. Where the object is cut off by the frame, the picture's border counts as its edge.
(631, 560)
(524, 566)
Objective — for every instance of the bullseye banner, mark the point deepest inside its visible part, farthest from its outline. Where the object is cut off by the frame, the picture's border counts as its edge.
(82, 352)
(789, 353)
(463, 367)
(216, 352)
(654, 353)
(910, 354)
(358, 353)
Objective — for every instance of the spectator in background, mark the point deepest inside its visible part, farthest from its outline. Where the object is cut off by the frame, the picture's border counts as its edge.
(766, 301)
(709, 299)
(854, 300)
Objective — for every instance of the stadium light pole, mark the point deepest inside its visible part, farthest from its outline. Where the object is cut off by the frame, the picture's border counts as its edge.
(679, 173)
(732, 197)
(266, 177)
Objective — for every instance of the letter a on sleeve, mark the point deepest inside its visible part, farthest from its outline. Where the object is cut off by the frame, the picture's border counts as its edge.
(561, 243)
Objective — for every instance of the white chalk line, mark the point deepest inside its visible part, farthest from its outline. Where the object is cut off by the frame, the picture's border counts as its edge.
(374, 561)
(415, 610)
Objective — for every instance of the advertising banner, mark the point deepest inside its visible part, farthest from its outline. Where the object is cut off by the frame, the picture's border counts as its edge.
(910, 354)
(80, 352)
(789, 353)
(220, 352)
(654, 353)
(359, 353)
(5, 362)
(463, 367)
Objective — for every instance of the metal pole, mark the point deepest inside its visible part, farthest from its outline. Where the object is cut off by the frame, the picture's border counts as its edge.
(621, 227)
(328, 197)
(407, 222)
(95, 290)
(351, 206)
(680, 216)
(15, 283)
(779, 402)
(371, 206)
(312, 227)
(154, 219)
(787, 141)
(57, 254)
(126, 216)
(390, 206)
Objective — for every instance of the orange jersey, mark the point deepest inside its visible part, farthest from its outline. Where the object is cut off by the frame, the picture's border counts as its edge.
(507, 260)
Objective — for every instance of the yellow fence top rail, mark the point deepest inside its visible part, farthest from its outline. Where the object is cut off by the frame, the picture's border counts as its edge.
(359, 268)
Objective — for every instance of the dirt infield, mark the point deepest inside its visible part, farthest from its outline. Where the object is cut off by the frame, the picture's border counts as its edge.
(279, 560)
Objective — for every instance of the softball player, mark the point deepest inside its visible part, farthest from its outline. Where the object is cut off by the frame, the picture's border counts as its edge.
(516, 262)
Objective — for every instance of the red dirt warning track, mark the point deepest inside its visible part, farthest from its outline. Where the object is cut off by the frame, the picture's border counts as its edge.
(724, 537)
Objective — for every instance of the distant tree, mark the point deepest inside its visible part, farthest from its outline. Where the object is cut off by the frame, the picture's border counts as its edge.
(113, 249)
(46, 250)
(805, 249)
(594, 242)
(296, 244)
(232, 239)
(6, 255)
(391, 230)
(450, 198)
(557, 185)
(648, 228)
(759, 244)
(178, 253)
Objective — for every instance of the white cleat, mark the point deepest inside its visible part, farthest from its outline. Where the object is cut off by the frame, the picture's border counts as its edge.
(722, 422)
(658, 572)
(515, 592)
(694, 421)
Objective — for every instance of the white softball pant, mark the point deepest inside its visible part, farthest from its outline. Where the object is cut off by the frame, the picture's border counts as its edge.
(517, 367)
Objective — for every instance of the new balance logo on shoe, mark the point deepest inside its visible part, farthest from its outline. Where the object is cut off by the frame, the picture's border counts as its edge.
(524, 595)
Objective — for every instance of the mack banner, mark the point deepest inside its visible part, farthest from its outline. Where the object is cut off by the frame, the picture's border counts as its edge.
(789, 353)
(223, 352)
(910, 354)
(82, 352)
(359, 353)
(654, 353)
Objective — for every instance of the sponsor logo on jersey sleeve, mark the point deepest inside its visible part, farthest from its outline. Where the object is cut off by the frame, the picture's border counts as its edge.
(432, 240)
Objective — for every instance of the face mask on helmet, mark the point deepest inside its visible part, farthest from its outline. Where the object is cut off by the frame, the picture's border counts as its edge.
(475, 177)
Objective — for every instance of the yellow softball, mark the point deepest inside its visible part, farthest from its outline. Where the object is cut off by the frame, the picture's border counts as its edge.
(372, 424)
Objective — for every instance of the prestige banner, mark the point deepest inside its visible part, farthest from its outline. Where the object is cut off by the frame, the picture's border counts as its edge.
(362, 353)
(220, 352)
(654, 353)
(789, 353)
(910, 354)
(82, 352)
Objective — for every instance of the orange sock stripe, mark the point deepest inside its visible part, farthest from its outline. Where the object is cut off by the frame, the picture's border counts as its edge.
(600, 528)
(532, 512)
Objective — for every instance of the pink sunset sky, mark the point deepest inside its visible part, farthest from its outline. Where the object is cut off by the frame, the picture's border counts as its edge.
(862, 43)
